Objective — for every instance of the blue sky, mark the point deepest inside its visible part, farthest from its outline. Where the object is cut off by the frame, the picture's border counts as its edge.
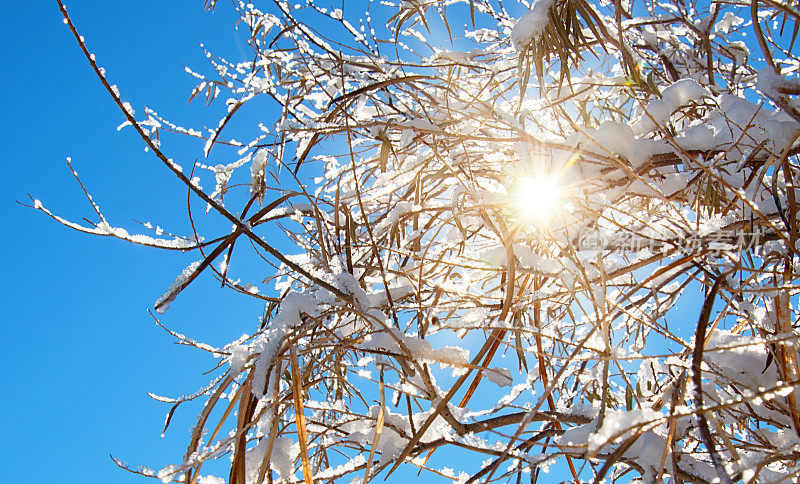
(81, 352)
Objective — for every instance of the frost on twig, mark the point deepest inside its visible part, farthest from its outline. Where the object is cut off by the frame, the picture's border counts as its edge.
(104, 229)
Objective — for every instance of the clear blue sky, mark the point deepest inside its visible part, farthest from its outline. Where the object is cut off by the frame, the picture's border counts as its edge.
(80, 351)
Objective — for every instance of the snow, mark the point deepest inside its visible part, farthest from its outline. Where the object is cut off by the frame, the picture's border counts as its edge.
(678, 94)
(348, 284)
(457, 56)
(738, 51)
(103, 228)
(284, 454)
(741, 359)
(268, 343)
(499, 376)
(400, 209)
(696, 138)
(378, 299)
(470, 318)
(210, 480)
(733, 122)
(238, 357)
(618, 425)
(613, 137)
(163, 301)
(394, 215)
(530, 25)
(396, 341)
(774, 85)
(531, 260)
(332, 472)
(776, 128)
(729, 21)
(167, 473)
(422, 124)
(222, 175)
(257, 169)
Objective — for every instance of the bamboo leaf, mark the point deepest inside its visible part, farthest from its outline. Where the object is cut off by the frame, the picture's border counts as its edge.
(472, 11)
(628, 397)
(386, 147)
(299, 413)
(378, 430)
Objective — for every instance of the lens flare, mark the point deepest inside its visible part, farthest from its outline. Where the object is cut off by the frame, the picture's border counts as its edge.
(538, 199)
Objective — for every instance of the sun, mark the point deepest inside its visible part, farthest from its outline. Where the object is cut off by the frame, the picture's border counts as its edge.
(538, 199)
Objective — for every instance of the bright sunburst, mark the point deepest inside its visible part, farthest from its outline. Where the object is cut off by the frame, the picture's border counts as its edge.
(538, 199)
